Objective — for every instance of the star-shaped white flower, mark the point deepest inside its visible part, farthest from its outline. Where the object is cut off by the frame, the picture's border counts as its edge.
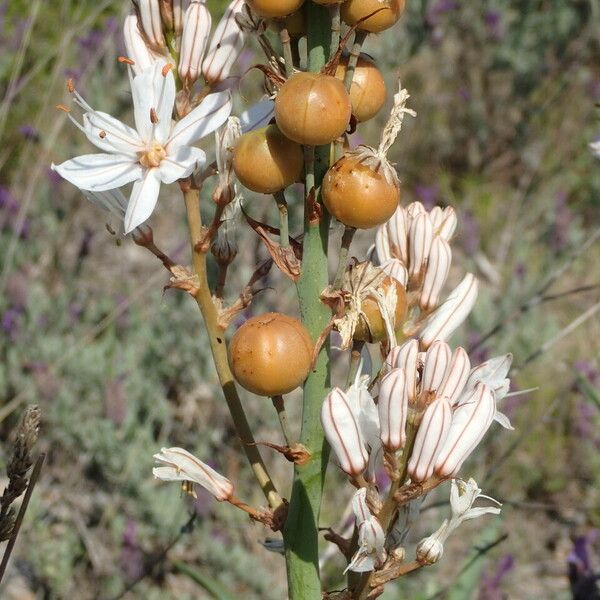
(157, 151)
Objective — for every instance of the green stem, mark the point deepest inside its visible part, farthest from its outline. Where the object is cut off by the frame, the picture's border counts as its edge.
(301, 533)
(347, 238)
(279, 405)
(359, 39)
(284, 235)
(334, 12)
(218, 347)
(286, 44)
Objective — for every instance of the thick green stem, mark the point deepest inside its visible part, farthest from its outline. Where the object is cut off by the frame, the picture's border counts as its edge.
(301, 529)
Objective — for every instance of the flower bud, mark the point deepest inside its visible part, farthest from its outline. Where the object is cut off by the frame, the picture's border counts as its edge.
(429, 440)
(447, 317)
(470, 421)
(405, 357)
(438, 267)
(456, 376)
(196, 30)
(420, 237)
(152, 27)
(382, 244)
(394, 268)
(171, 12)
(180, 465)
(342, 433)
(448, 225)
(437, 359)
(393, 408)
(225, 47)
(136, 47)
(225, 139)
(398, 235)
(430, 550)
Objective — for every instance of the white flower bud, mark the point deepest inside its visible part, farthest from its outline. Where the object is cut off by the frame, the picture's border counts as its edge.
(438, 267)
(393, 409)
(448, 225)
(414, 209)
(456, 376)
(420, 237)
(397, 228)
(149, 11)
(437, 360)
(343, 433)
(180, 465)
(196, 30)
(470, 421)
(226, 44)
(394, 268)
(447, 317)
(382, 244)
(405, 357)
(178, 14)
(430, 438)
(436, 214)
(430, 550)
(136, 47)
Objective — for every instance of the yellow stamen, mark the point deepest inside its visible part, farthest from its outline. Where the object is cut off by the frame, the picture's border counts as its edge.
(153, 156)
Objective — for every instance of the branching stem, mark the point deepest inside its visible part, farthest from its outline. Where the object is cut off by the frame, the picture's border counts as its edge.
(218, 347)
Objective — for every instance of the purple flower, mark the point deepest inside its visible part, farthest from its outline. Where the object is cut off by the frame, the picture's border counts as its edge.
(586, 369)
(7, 201)
(437, 10)
(427, 195)
(29, 132)
(491, 585)
(10, 322)
(132, 557)
(583, 579)
(494, 25)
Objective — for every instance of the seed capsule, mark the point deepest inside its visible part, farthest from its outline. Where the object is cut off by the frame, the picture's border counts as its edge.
(265, 161)
(388, 13)
(359, 195)
(367, 93)
(274, 8)
(271, 354)
(312, 108)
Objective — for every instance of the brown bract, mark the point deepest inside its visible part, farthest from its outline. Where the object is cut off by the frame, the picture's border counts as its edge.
(271, 354)
(367, 93)
(359, 195)
(274, 8)
(386, 14)
(266, 161)
(312, 108)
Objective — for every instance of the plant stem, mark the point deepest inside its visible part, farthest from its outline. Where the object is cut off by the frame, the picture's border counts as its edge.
(301, 533)
(286, 43)
(334, 12)
(359, 39)
(284, 235)
(219, 349)
(357, 347)
(347, 238)
(279, 405)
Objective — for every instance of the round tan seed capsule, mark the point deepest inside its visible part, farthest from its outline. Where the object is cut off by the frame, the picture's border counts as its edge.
(387, 13)
(357, 195)
(274, 8)
(367, 93)
(271, 354)
(312, 108)
(265, 161)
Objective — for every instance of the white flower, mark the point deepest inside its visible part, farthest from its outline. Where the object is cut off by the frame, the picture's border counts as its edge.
(180, 465)
(595, 148)
(371, 538)
(156, 151)
(462, 496)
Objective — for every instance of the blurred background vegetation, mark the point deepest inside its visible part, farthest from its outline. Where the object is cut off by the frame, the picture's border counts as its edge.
(506, 93)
